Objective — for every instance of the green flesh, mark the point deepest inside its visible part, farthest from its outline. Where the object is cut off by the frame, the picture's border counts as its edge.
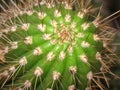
(71, 59)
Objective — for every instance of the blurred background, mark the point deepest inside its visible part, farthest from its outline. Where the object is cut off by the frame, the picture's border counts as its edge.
(110, 7)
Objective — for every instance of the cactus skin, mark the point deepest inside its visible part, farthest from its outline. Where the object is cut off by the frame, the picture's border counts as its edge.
(51, 47)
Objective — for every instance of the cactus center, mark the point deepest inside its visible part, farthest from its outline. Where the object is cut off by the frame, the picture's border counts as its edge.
(65, 34)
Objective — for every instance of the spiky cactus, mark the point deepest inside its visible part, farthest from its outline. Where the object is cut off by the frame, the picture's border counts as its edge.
(49, 46)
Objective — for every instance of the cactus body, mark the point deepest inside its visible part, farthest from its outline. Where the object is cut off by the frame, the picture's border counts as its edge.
(50, 47)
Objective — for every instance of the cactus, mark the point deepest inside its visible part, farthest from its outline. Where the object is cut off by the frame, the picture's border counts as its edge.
(53, 45)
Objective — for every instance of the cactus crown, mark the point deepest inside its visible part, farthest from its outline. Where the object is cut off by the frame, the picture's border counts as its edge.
(49, 46)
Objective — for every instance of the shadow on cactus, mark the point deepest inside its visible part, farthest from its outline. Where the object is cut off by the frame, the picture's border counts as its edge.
(49, 45)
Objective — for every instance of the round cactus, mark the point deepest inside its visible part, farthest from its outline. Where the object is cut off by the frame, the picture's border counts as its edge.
(50, 45)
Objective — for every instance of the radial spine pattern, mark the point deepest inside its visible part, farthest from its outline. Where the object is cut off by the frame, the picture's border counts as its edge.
(50, 46)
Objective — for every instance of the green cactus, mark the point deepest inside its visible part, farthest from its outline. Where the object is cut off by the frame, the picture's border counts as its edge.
(50, 46)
